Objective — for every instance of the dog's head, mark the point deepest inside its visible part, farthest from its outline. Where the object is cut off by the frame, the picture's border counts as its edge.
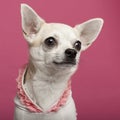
(54, 45)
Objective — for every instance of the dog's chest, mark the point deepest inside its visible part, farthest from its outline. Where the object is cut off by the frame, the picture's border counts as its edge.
(44, 93)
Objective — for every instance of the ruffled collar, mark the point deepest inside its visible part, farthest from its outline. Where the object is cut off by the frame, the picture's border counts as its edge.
(29, 103)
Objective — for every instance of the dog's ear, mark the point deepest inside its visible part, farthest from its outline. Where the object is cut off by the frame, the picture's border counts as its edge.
(88, 31)
(31, 22)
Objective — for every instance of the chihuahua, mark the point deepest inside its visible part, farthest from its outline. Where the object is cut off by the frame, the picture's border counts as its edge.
(44, 84)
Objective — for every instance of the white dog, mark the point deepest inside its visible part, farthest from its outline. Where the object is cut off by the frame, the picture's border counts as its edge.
(44, 84)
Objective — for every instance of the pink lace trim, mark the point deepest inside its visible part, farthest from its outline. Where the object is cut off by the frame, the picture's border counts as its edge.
(30, 104)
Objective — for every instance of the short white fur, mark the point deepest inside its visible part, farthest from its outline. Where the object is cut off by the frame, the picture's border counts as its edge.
(48, 81)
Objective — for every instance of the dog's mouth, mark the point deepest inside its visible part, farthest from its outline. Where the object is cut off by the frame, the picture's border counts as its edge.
(65, 62)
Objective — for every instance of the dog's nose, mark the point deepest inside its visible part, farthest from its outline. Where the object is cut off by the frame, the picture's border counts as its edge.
(70, 53)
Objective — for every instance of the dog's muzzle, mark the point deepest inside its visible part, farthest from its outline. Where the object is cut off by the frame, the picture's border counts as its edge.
(70, 55)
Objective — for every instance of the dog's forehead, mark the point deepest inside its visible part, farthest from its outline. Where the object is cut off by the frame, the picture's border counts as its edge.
(59, 30)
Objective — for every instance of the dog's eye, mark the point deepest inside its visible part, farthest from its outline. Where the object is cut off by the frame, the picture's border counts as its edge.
(77, 45)
(50, 42)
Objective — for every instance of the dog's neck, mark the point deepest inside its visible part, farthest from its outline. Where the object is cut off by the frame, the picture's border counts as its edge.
(44, 87)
